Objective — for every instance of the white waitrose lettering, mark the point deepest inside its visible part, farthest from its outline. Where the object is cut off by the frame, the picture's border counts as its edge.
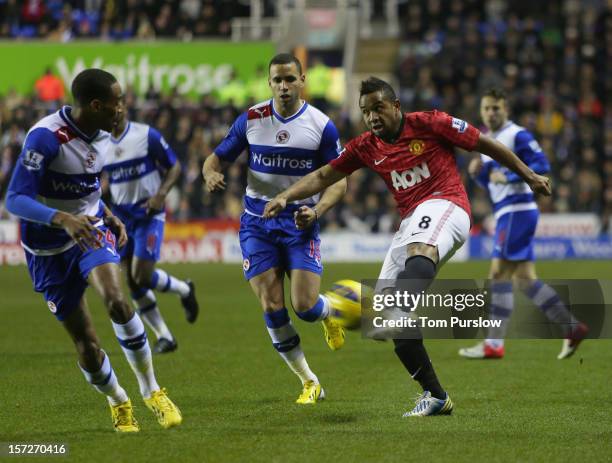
(277, 160)
(410, 177)
(78, 188)
(138, 72)
(127, 173)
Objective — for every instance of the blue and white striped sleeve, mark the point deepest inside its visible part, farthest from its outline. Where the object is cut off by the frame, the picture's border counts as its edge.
(39, 149)
(330, 147)
(159, 149)
(235, 142)
(528, 149)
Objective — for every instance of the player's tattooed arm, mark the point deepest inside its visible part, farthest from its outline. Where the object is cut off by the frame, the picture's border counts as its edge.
(211, 172)
(155, 204)
(499, 152)
(116, 226)
(311, 184)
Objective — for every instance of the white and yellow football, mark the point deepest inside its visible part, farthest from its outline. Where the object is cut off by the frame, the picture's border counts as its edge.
(345, 301)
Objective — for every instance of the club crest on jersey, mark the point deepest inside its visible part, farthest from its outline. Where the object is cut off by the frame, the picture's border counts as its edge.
(282, 137)
(90, 160)
(416, 147)
(459, 125)
(118, 152)
(52, 306)
(246, 265)
(32, 160)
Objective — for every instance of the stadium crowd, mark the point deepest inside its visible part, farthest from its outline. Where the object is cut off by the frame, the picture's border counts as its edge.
(550, 57)
(65, 20)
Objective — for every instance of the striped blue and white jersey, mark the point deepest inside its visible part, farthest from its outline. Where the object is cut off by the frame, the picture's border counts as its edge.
(134, 164)
(58, 170)
(280, 150)
(516, 194)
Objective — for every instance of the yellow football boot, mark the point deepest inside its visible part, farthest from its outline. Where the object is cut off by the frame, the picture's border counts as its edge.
(166, 412)
(123, 417)
(334, 334)
(311, 394)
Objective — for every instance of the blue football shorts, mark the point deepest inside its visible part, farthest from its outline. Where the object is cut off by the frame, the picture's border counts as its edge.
(62, 278)
(514, 234)
(145, 237)
(268, 243)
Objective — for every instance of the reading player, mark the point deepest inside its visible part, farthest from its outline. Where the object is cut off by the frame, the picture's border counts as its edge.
(285, 138)
(69, 239)
(516, 214)
(142, 168)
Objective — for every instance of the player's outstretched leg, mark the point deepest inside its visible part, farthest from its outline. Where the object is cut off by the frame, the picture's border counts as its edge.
(286, 341)
(96, 367)
(320, 311)
(549, 302)
(312, 307)
(419, 271)
(162, 281)
(132, 337)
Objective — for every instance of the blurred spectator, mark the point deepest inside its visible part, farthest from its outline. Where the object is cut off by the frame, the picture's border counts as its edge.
(318, 83)
(549, 57)
(234, 92)
(257, 87)
(49, 87)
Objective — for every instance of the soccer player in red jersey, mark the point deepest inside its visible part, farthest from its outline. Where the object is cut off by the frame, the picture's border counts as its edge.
(414, 154)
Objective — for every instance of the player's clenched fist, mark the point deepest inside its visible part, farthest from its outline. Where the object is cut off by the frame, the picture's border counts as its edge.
(274, 207)
(214, 181)
(540, 184)
(304, 217)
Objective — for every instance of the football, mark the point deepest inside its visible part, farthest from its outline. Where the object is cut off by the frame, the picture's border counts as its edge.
(345, 300)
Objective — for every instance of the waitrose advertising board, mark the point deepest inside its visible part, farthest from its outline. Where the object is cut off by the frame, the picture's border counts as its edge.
(193, 68)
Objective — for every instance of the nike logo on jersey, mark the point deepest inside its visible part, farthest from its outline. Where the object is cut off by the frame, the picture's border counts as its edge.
(416, 233)
(379, 161)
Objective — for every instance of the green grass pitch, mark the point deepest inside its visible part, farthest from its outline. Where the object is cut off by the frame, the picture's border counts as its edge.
(237, 396)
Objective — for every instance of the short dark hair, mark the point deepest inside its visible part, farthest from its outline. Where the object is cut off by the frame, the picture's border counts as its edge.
(285, 58)
(374, 84)
(496, 93)
(92, 84)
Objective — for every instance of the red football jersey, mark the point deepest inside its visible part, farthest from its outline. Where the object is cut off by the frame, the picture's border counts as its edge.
(420, 165)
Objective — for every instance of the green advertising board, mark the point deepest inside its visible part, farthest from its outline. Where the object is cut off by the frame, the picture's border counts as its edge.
(194, 68)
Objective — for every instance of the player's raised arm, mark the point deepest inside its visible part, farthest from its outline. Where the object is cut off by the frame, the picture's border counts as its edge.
(497, 151)
(311, 184)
